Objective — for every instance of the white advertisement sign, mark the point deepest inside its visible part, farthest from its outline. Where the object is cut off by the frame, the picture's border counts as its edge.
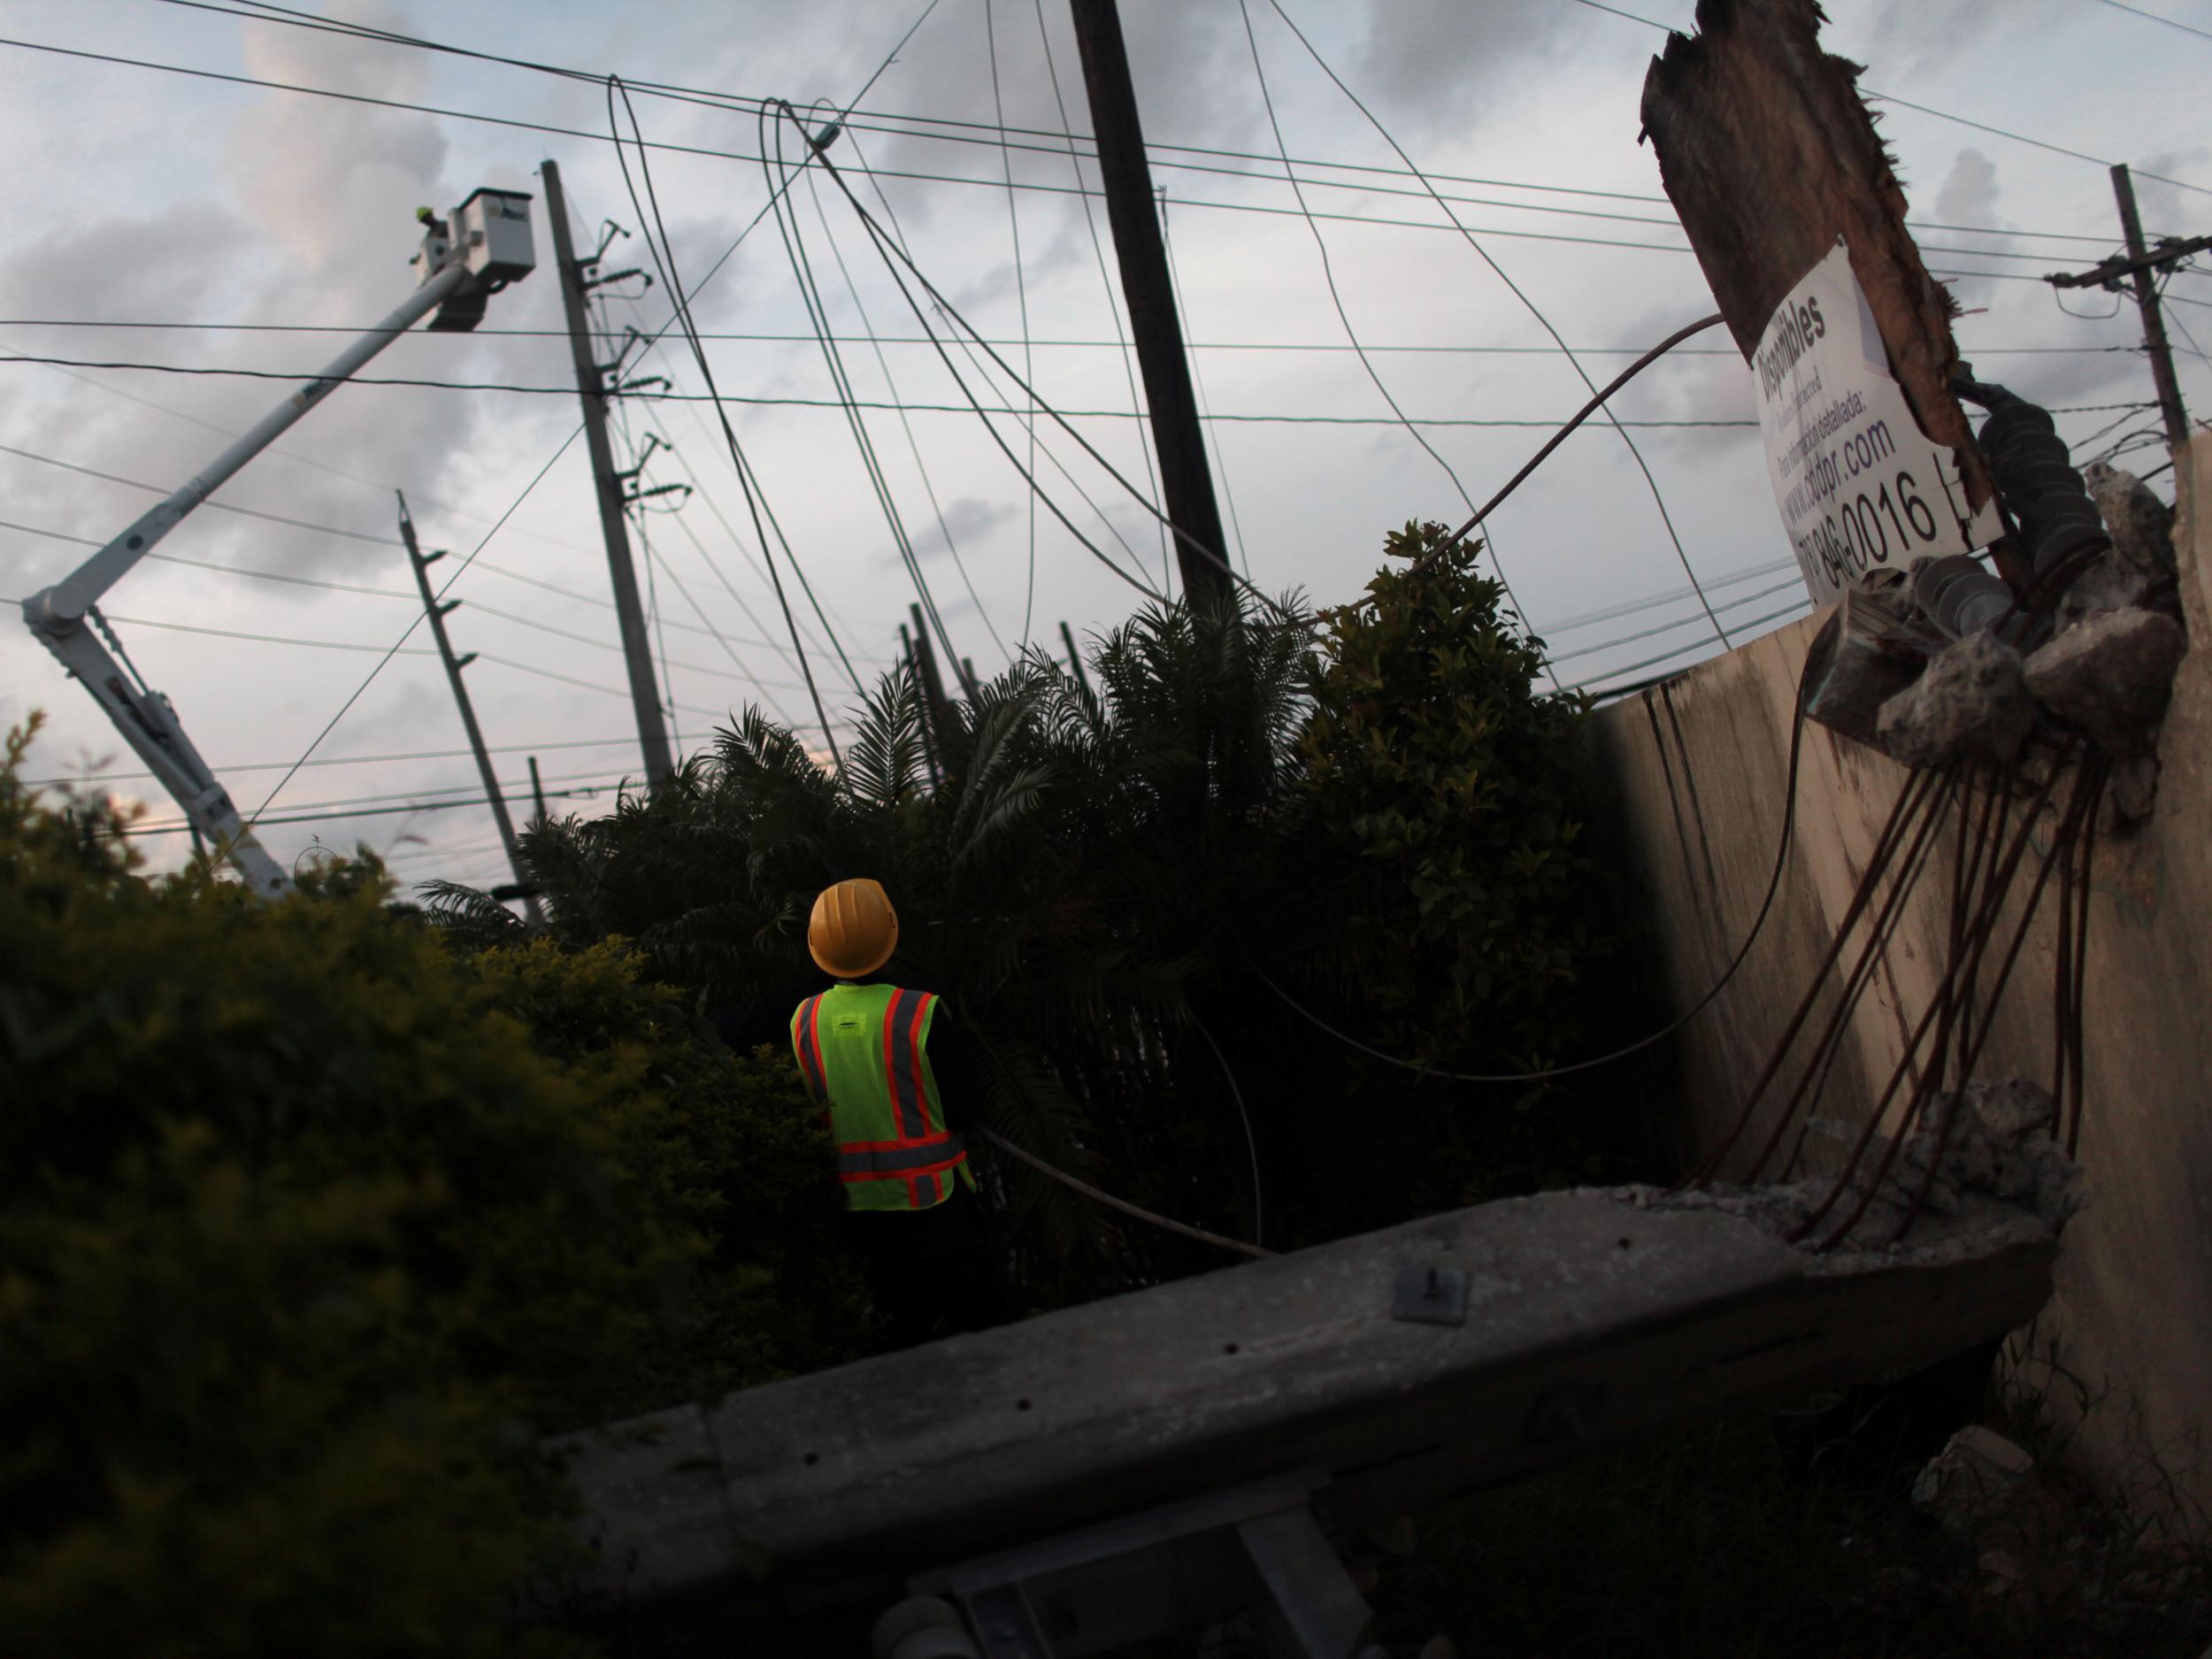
(1861, 487)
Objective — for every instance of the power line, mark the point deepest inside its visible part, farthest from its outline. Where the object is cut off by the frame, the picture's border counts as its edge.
(681, 312)
(818, 314)
(134, 830)
(1042, 344)
(1021, 292)
(1246, 417)
(2153, 17)
(998, 133)
(1659, 499)
(1674, 595)
(362, 760)
(566, 132)
(416, 621)
(913, 444)
(1679, 622)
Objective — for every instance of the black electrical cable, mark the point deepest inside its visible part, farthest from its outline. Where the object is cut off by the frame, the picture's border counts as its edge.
(1021, 293)
(821, 612)
(769, 338)
(818, 314)
(894, 255)
(1050, 190)
(889, 251)
(1001, 134)
(672, 284)
(1758, 923)
(1597, 401)
(1659, 499)
(913, 444)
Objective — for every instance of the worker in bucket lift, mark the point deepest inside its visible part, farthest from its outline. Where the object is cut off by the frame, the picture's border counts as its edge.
(873, 1054)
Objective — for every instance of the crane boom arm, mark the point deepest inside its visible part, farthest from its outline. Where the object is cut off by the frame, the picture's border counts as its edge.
(485, 245)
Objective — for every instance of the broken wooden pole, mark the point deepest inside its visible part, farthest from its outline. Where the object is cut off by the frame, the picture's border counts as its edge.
(1770, 156)
(1398, 1369)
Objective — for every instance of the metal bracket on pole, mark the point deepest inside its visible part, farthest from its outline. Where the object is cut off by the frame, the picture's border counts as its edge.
(588, 283)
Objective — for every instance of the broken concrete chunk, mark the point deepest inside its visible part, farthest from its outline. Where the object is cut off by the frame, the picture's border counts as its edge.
(2110, 674)
(2113, 583)
(2012, 1107)
(1972, 703)
(1974, 1480)
(2141, 524)
(1872, 661)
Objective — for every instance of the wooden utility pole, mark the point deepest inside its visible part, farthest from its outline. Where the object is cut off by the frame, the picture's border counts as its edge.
(2147, 302)
(436, 614)
(637, 651)
(1185, 478)
(537, 795)
(1769, 155)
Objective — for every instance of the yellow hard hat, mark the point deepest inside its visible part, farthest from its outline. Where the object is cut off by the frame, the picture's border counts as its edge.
(854, 930)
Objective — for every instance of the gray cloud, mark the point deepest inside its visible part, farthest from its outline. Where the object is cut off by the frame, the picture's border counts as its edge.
(969, 519)
(1969, 196)
(1430, 58)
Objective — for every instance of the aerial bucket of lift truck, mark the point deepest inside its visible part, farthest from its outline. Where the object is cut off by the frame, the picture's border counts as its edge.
(491, 230)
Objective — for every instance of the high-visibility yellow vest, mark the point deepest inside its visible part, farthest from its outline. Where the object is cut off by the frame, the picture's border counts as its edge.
(864, 1050)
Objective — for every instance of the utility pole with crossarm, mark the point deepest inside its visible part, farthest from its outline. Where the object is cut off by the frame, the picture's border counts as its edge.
(2139, 267)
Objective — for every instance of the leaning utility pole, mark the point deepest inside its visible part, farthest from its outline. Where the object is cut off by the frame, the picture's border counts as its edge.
(637, 651)
(2140, 267)
(1185, 478)
(436, 614)
(1770, 160)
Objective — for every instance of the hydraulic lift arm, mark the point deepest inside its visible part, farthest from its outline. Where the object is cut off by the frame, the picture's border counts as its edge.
(484, 246)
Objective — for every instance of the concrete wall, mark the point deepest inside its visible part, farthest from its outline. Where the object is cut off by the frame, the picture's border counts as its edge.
(1698, 765)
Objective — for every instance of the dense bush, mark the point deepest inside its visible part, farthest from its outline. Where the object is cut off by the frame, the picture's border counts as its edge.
(310, 1226)
(1375, 807)
(1473, 910)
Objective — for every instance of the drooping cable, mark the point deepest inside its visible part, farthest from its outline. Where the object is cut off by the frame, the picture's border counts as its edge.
(1743, 950)
(1336, 299)
(894, 255)
(664, 262)
(897, 234)
(913, 444)
(1021, 293)
(818, 315)
(1652, 483)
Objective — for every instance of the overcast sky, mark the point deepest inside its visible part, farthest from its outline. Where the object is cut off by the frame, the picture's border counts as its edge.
(139, 196)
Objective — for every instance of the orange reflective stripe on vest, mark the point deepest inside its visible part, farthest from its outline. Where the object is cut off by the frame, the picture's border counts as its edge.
(863, 1048)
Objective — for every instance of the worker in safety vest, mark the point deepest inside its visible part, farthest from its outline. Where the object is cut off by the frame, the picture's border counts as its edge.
(864, 1050)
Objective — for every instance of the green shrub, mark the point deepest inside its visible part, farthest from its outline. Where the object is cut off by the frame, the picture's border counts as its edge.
(1456, 789)
(304, 1241)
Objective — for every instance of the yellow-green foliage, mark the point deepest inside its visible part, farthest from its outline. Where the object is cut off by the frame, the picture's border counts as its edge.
(304, 1239)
